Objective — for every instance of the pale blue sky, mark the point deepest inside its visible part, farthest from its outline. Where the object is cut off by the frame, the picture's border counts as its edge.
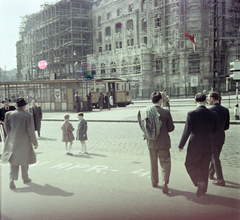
(10, 12)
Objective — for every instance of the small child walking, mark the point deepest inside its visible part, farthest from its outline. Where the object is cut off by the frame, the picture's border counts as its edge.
(67, 135)
(82, 133)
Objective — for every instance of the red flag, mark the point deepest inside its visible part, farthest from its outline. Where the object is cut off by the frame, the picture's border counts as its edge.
(193, 39)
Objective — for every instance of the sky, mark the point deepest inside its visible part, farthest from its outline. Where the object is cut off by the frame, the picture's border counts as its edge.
(10, 19)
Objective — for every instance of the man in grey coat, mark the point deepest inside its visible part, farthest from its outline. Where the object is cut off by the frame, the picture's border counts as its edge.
(18, 149)
(159, 148)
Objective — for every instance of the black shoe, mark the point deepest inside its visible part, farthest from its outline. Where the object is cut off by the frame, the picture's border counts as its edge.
(70, 154)
(201, 189)
(164, 188)
(212, 177)
(27, 181)
(12, 185)
(219, 183)
(155, 185)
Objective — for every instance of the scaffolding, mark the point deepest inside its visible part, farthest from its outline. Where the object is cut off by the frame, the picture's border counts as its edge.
(60, 33)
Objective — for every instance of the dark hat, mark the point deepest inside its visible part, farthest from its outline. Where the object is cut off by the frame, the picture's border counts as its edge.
(6, 100)
(21, 102)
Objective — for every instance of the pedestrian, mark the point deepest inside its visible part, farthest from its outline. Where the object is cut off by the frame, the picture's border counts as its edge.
(18, 150)
(3, 111)
(111, 101)
(77, 102)
(164, 98)
(107, 101)
(89, 101)
(201, 123)
(156, 123)
(36, 112)
(218, 137)
(67, 134)
(100, 101)
(82, 133)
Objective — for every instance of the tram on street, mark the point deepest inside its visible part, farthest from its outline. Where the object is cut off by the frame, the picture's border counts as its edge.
(118, 88)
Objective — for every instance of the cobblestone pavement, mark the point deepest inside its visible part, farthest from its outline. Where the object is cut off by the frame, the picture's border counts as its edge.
(127, 138)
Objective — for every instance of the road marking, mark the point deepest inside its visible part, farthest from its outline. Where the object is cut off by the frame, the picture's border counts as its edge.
(141, 173)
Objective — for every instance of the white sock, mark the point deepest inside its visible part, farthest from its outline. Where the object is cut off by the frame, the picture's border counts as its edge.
(85, 147)
(82, 147)
(69, 148)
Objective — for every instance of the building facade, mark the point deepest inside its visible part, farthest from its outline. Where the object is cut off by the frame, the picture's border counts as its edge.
(140, 40)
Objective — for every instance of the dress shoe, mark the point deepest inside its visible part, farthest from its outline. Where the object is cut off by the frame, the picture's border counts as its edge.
(155, 185)
(70, 154)
(212, 177)
(201, 189)
(12, 185)
(219, 183)
(164, 188)
(27, 181)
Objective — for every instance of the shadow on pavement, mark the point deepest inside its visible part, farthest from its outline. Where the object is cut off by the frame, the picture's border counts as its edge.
(235, 185)
(46, 190)
(46, 139)
(207, 199)
(88, 156)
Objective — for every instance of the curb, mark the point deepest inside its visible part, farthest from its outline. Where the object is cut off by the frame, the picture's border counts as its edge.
(128, 121)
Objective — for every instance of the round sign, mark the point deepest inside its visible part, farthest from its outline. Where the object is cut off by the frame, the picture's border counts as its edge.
(42, 64)
(118, 25)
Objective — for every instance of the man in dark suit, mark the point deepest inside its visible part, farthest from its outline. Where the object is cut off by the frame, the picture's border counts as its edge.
(218, 138)
(36, 112)
(3, 111)
(201, 123)
(159, 148)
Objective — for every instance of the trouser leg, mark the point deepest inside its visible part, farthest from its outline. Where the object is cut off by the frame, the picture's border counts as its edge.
(192, 165)
(216, 161)
(154, 166)
(211, 168)
(204, 167)
(24, 172)
(165, 162)
(14, 169)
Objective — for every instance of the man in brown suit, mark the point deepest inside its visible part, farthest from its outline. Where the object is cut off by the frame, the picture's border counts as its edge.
(159, 148)
(18, 150)
(36, 112)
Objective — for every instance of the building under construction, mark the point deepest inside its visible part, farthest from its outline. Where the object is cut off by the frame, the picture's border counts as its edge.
(140, 40)
(61, 34)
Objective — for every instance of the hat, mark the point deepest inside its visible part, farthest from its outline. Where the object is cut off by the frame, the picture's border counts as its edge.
(21, 102)
(6, 100)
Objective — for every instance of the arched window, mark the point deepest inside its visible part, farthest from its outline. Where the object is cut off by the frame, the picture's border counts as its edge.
(103, 68)
(129, 25)
(113, 67)
(144, 24)
(137, 67)
(124, 67)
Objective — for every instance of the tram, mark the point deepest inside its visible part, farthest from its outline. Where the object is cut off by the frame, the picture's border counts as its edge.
(118, 88)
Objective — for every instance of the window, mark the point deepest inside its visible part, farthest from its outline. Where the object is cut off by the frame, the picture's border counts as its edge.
(193, 12)
(132, 42)
(102, 68)
(116, 45)
(194, 63)
(100, 49)
(157, 21)
(113, 67)
(120, 44)
(144, 5)
(100, 37)
(130, 25)
(144, 24)
(99, 21)
(110, 47)
(193, 30)
(119, 12)
(130, 8)
(124, 68)
(137, 67)
(174, 66)
(128, 42)
(118, 27)
(106, 47)
(159, 66)
(108, 31)
(108, 15)
(156, 3)
(145, 40)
